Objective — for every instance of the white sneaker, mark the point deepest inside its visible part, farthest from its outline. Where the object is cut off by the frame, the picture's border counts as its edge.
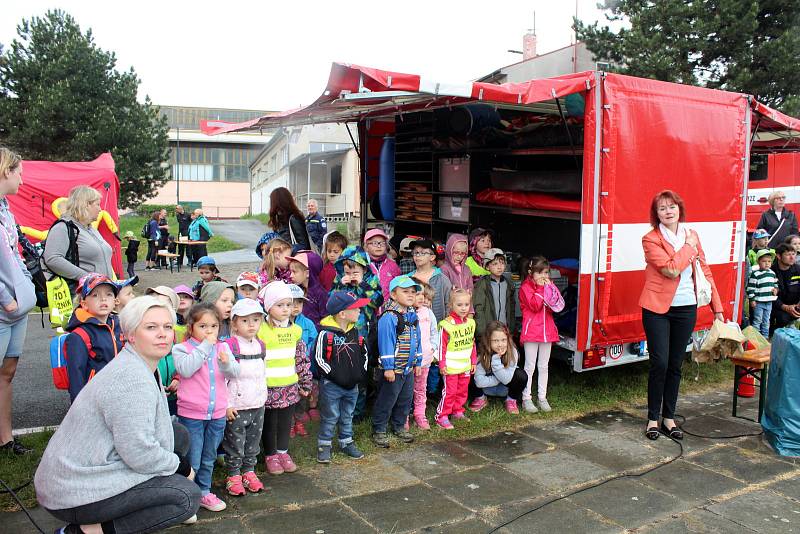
(191, 521)
(528, 406)
(544, 405)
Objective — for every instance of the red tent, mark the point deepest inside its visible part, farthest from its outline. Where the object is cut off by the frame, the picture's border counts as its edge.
(43, 182)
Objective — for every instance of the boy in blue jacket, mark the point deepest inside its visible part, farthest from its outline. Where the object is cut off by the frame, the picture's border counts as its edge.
(94, 336)
(400, 360)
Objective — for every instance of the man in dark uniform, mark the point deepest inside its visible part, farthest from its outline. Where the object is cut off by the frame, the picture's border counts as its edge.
(183, 231)
(785, 308)
(315, 224)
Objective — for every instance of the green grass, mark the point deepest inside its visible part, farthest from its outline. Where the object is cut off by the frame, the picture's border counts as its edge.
(135, 223)
(571, 396)
(263, 217)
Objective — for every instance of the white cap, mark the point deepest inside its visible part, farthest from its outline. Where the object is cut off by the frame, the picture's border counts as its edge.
(245, 307)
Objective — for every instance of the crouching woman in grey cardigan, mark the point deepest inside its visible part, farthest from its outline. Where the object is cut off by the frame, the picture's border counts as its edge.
(115, 464)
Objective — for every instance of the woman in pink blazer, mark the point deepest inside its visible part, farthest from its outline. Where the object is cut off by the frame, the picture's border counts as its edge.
(669, 305)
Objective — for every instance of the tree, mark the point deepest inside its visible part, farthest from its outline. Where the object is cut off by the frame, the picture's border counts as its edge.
(62, 99)
(748, 46)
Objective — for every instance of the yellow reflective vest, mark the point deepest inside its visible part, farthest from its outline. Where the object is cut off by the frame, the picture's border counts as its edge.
(281, 347)
(460, 343)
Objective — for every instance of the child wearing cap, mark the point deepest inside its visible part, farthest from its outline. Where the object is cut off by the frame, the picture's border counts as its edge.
(305, 268)
(222, 296)
(341, 357)
(247, 285)
(247, 394)
(125, 293)
(400, 359)
(305, 410)
(207, 269)
(185, 302)
(762, 290)
(288, 375)
(406, 262)
(760, 241)
(493, 294)
(334, 244)
(131, 252)
(376, 244)
(94, 334)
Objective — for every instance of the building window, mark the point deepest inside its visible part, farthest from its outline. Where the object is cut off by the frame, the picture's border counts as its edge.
(202, 162)
(314, 147)
(285, 156)
(336, 179)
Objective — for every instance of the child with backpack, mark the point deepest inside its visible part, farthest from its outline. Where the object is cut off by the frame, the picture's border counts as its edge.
(131, 252)
(248, 394)
(94, 336)
(457, 358)
(400, 355)
(288, 375)
(341, 357)
(207, 269)
(204, 363)
(538, 299)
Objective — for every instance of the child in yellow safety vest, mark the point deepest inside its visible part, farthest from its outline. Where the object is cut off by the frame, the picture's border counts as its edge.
(457, 358)
(288, 375)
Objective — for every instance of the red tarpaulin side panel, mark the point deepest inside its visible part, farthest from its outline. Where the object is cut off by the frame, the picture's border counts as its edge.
(659, 136)
(45, 181)
(528, 200)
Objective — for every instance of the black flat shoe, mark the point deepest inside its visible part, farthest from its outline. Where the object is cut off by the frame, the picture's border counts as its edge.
(674, 432)
(652, 433)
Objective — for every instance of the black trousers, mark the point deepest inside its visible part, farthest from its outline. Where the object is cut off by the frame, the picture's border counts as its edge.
(152, 250)
(184, 250)
(667, 337)
(277, 424)
(515, 386)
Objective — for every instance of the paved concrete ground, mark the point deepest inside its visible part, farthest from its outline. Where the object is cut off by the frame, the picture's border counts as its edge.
(726, 486)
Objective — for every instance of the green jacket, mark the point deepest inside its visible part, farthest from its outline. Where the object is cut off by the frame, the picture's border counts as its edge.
(751, 256)
(484, 305)
(474, 268)
(166, 370)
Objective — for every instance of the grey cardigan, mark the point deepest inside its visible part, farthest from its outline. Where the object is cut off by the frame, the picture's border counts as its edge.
(15, 280)
(117, 434)
(94, 253)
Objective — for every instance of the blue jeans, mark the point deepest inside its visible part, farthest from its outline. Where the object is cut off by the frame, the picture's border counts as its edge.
(336, 406)
(205, 436)
(394, 401)
(12, 338)
(760, 318)
(434, 379)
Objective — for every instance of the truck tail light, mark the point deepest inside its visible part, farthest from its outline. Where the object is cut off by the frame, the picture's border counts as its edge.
(595, 357)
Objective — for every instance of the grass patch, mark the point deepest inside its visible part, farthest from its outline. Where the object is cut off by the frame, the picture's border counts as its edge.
(134, 223)
(571, 395)
(263, 217)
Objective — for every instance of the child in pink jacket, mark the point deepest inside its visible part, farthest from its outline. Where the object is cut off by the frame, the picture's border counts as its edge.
(538, 299)
(429, 337)
(376, 244)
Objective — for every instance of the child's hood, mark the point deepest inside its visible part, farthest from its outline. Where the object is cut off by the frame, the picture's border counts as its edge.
(329, 323)
(314, 268)
(451, 243)
(355, 254)
(81, 317)
(213, 290)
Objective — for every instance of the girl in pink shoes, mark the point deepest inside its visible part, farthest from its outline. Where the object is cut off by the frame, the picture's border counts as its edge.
(247, 395)
(429, 338)
(204, 363)
(538, 299)
(497, 374)
(288, 372)
(457, 358)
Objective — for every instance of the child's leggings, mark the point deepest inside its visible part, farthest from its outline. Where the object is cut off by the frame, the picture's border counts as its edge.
(277, 424)
(454, 394)
(421, 393)
(204, 437)
(537, 356)
(242, 441)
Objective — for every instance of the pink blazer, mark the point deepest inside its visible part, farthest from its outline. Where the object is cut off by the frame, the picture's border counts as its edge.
(663, 272)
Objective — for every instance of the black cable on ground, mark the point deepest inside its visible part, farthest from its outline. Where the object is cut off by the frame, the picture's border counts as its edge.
(18, 488)
(19, 502)
(732, 436)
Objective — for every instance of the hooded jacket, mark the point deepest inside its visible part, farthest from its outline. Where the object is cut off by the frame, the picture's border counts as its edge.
(199, 229)
(385, 269)
(369, 288)
(341, 355)
(459, 275)
(247, 390)
(15, 280)
(317, 298)
(483, 301)
(536, 301)
(82, 362)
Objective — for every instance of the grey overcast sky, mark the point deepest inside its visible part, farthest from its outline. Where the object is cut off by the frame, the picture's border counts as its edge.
(275, 55)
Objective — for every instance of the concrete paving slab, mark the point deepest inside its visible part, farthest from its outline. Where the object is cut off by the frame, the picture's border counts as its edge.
(557, 469)
(743, 464)
(718, 426)
(424, 461)
(565, 433)
(763, 511)
(230, 525)
(504, 446)
(282, 490)
(618, 453)
(628, 503)
(470, 526)
(407, 509)
(328, 518)
(696, 522)
(486, 486)
(371, 474)
(689, 482)
(614, 422)
(458, 455)
(15, 522)
(560, 516)
(788, 488)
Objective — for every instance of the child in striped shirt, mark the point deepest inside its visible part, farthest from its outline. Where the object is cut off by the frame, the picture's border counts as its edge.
(762, 290)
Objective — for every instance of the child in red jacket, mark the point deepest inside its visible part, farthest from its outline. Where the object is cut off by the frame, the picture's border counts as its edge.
(457, 357)
(538, 298)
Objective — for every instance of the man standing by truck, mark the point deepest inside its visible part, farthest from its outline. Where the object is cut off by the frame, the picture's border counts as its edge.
(316, 224)
(785, 308)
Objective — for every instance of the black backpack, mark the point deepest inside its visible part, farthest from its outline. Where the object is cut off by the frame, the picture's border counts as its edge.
(372, 335)
(72, 254)
(146, 230)
(33, 262)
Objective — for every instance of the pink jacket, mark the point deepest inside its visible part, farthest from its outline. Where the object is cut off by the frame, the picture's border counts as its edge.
(248, 390)
(202, 393)
(537, 303)
(459, 275)
(388, 269)
(428, 334)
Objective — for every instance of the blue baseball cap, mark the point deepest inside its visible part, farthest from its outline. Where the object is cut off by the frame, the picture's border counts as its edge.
(206, 260)
(132, 281)
(344, 300)
(403, 281)
(760, 234)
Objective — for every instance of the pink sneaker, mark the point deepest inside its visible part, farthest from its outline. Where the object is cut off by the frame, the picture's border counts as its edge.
(234, 486)
(422, 422)
(252, 483)
(478, 404)
(287, 463)
(460, 416)
(511, 406)
(444, 422)
(313, 413)
(212, 503)
(300, 429)
(274, 466)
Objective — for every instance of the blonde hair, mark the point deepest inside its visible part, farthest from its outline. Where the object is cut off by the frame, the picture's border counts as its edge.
(132, 315)
(8, 161)
(772, 196)
(427, 290)
(268, 264)
(77, 205)
(455, 293)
